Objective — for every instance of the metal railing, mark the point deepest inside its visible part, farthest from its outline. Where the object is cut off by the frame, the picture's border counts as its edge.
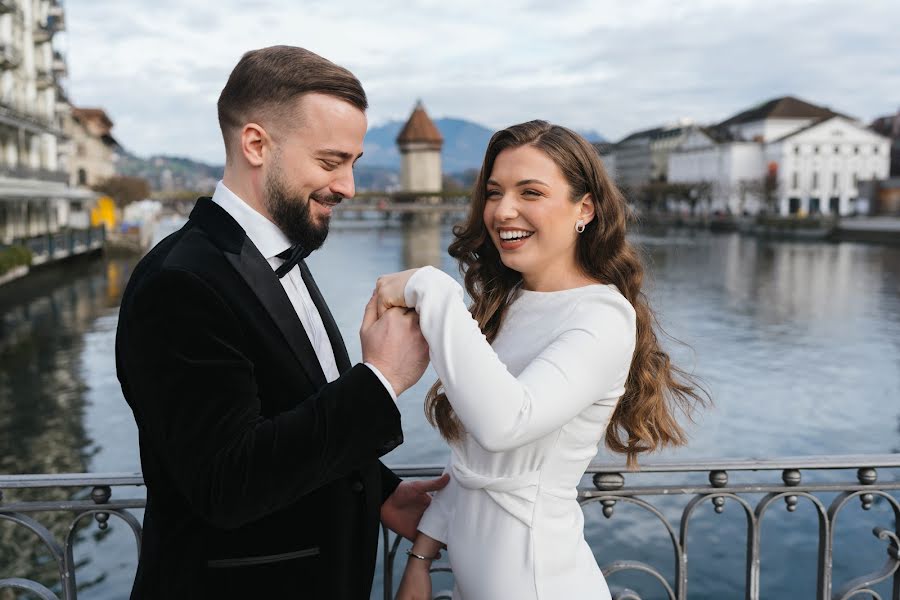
(62, 244)
(873, 479)
(21, 171)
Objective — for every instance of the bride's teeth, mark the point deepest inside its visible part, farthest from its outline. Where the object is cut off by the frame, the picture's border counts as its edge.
(514, 235)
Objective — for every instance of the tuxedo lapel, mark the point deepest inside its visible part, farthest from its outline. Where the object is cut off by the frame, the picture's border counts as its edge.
(342, 359)
(258, 274)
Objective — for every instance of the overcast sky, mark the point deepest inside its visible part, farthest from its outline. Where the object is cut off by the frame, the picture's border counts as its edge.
(157, 67)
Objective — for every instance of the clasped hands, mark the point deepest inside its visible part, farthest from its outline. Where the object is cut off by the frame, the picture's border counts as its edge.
(393, 343)
(390, 336)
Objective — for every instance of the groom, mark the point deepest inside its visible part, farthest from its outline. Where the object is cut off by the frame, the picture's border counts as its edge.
(259, 441)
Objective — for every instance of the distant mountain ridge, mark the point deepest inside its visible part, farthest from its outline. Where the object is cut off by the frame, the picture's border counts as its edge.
(464, 144)
(463, 150)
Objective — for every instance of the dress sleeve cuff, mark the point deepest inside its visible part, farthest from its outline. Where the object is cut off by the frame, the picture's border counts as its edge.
(434, 523)
(428, 278)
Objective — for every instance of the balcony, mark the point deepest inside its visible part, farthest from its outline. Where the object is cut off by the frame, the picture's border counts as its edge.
(24, 172)
(43, 32)
(59, 65)
(56, 20)
(820, 486)
(56, 11)
(44, 78)
(10, 57)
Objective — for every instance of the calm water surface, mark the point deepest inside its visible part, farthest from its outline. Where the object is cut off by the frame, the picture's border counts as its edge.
(799, 345)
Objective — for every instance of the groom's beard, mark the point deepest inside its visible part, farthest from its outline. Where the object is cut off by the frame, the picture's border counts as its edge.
(291, 213)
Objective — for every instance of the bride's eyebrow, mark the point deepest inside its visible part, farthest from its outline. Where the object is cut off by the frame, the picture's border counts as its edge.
(530, 182)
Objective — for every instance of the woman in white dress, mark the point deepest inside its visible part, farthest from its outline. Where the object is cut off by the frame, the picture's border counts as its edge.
(556, 354)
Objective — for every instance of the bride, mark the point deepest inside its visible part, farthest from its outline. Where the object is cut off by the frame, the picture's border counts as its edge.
(556, 354)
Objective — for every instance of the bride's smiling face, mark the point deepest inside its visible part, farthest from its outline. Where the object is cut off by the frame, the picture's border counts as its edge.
(530, 215)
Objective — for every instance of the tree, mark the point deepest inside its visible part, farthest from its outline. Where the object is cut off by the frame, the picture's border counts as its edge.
(124, 190)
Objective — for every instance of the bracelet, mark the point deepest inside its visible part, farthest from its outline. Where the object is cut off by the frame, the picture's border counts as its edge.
(419, 556)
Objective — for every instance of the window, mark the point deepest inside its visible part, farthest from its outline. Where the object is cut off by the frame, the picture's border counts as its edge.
(837, 149)
(855, 180)
(82, 177)
(795, 180)
(875, 149)
(834, 181)
(855, 149)
(815, 182)
(814, 206)
(797, 149)
(816, 149)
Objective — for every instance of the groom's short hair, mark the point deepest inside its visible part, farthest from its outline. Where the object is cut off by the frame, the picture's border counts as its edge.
(265, 83)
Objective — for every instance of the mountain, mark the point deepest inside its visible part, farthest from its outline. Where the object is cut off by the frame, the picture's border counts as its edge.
(464, 144)
(170, 172)
(463, 151)
(177, 173)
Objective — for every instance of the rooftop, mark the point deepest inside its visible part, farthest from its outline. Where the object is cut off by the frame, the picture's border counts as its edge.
(420, 128)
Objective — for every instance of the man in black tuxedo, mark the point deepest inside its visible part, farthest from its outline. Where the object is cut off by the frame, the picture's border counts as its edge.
(259, 441)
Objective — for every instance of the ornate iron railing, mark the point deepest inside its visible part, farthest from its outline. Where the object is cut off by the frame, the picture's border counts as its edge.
(774, 481)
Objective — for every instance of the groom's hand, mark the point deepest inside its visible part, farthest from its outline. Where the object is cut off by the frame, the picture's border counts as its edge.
(403, 509)
(394, 345)
(391, 289)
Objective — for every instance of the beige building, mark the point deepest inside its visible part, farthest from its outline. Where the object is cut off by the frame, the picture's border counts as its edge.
(420, 145)
(92, 148)
(35, 198)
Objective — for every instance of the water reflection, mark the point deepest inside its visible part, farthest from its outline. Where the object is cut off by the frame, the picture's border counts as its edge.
(42, 394)
(422, 242)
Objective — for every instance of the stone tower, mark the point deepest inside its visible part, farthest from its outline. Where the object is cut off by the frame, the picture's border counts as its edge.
(420, 151)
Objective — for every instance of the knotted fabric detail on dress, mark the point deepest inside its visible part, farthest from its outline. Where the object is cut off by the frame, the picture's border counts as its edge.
(516, 495)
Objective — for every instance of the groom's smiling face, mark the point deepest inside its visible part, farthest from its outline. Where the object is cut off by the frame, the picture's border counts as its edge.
(311, 168)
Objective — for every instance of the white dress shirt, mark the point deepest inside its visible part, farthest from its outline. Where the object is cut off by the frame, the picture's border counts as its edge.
(271, 241)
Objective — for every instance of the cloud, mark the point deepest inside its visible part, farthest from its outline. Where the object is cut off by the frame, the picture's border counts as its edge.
(610, 66)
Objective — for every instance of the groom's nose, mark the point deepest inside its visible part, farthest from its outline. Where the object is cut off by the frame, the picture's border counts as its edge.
(344, 185)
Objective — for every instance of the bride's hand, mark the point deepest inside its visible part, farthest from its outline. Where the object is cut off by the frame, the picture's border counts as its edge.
(416, 582)
(389, 290)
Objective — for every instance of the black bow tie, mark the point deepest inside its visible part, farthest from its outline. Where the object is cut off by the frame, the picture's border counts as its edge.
(292, 257)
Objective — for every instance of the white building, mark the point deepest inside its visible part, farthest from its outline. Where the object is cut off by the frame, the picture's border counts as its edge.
(642, 157)
(807, 159)
(34, 196)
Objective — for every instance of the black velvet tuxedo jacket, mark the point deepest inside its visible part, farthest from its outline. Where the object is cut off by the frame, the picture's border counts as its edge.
(263, 480)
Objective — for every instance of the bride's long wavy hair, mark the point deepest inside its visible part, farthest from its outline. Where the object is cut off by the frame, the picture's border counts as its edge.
(645, 417)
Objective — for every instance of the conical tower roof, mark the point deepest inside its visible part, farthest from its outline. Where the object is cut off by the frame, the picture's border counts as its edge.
(420, 129)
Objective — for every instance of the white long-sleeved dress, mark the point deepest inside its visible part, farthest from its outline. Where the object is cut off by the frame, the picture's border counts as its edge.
(535, 405)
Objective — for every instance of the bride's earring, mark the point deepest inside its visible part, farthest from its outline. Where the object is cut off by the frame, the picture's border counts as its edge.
(579, 226)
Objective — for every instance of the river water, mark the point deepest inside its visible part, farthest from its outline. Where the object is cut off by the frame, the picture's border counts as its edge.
(798, 343)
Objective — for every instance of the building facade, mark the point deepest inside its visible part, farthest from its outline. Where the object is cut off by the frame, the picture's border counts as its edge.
(889, 126)
(786, 156)
(35, 198)
(92, 148)
(642, 157)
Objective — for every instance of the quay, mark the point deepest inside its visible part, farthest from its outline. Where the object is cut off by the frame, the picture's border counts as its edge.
(830, 485)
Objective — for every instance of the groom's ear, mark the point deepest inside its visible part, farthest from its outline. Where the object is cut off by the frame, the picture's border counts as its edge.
(254, 144)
